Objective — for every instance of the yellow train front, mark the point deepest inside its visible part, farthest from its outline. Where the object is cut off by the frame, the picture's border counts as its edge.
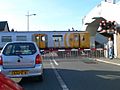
(62, 40)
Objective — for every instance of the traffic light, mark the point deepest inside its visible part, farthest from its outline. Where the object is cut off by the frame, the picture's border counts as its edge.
(108, 25)
(113, 25)
(103, 25)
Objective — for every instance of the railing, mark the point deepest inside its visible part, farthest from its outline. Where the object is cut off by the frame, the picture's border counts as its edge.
(74, 54)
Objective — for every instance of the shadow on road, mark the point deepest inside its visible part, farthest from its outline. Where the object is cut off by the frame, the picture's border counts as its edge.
(76, 80)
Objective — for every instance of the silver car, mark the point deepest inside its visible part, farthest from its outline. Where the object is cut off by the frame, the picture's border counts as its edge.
(21, 59)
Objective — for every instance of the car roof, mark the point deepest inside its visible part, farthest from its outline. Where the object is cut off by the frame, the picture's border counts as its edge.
(21, 42)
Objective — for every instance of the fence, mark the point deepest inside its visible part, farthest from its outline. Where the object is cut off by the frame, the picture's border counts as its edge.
(74, 54)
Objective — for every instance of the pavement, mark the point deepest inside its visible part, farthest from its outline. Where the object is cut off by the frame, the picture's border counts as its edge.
(114, 61)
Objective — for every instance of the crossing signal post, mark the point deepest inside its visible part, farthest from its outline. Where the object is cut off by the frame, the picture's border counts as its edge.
(103, 25)
(108, 26)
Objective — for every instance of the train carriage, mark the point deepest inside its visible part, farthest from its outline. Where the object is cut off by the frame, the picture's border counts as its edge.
(63, 39)
(49, 39)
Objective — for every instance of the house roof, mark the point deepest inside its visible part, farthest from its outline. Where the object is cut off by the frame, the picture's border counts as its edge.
(3, 24)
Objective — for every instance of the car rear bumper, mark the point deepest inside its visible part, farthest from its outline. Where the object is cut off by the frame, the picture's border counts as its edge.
(28, 72)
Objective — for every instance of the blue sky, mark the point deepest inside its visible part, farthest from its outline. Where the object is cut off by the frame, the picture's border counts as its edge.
(50, 14)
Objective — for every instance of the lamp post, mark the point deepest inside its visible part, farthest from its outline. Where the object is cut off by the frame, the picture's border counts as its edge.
(28, 15)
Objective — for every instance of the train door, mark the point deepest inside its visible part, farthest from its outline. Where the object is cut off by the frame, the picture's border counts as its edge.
(74, 40)
(57, 40)
(41, 40)
(84, 40)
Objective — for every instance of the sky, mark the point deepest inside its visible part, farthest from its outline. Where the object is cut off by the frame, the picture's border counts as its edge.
(57, 15)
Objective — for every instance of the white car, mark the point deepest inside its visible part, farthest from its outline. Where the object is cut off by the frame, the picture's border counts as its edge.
(21, 59)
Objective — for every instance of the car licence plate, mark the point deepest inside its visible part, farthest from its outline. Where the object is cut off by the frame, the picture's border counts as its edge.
(20, 72)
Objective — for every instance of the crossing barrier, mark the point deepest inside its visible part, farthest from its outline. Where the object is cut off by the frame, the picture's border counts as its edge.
(75, 53)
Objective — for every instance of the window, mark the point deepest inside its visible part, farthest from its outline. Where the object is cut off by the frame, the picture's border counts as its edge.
(6, 39)
(83, 38)
(76, 37)
(8, 50)
(40, 38)
(19, 49)
(43, 38)
(57, 38)
(21, 38)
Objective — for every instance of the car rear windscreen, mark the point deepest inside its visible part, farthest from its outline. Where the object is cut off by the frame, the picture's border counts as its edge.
(19, 49)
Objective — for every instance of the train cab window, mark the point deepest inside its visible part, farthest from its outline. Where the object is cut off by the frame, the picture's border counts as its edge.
(43, 38)
(83, 38)
(40, 38)
(58, 38)
(6, 38)
(21, 38)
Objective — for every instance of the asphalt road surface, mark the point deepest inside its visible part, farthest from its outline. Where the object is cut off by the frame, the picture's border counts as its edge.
(75, 74)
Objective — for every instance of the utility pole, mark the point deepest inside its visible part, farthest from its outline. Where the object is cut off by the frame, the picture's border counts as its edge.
(28, 15)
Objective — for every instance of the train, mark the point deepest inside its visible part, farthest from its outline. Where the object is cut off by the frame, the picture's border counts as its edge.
(49, 39)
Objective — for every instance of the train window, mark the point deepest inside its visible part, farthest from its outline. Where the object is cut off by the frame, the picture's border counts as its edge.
(40, 38)
(43, 38)
(21, 38)
(83, 38)
(6, 39)
(76, 37)
(57, 38)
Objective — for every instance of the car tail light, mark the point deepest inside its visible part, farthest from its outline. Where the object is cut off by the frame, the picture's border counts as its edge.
(38, 59)
(1, 61)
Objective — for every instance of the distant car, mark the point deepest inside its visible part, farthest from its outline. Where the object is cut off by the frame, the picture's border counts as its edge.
(21, 59)
(8, 84)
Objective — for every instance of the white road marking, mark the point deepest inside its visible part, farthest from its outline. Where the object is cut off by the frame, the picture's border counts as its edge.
(54, 59)
(60, 80)
(55, 62)
(108, 62)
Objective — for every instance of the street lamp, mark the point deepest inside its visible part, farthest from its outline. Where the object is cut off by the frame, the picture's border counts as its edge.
(28, 15)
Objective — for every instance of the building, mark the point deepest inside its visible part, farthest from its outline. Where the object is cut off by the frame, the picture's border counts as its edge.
(107, 10)
(4, 26)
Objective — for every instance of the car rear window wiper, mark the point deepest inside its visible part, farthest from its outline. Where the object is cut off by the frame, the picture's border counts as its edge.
(19, 55)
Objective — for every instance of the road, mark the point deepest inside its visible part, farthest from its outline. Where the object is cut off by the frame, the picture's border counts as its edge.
(76, 74)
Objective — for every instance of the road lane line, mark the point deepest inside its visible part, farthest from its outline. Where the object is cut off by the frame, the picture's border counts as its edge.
(55, 62)
(108, 62)
(60, 80)
(54, 59)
